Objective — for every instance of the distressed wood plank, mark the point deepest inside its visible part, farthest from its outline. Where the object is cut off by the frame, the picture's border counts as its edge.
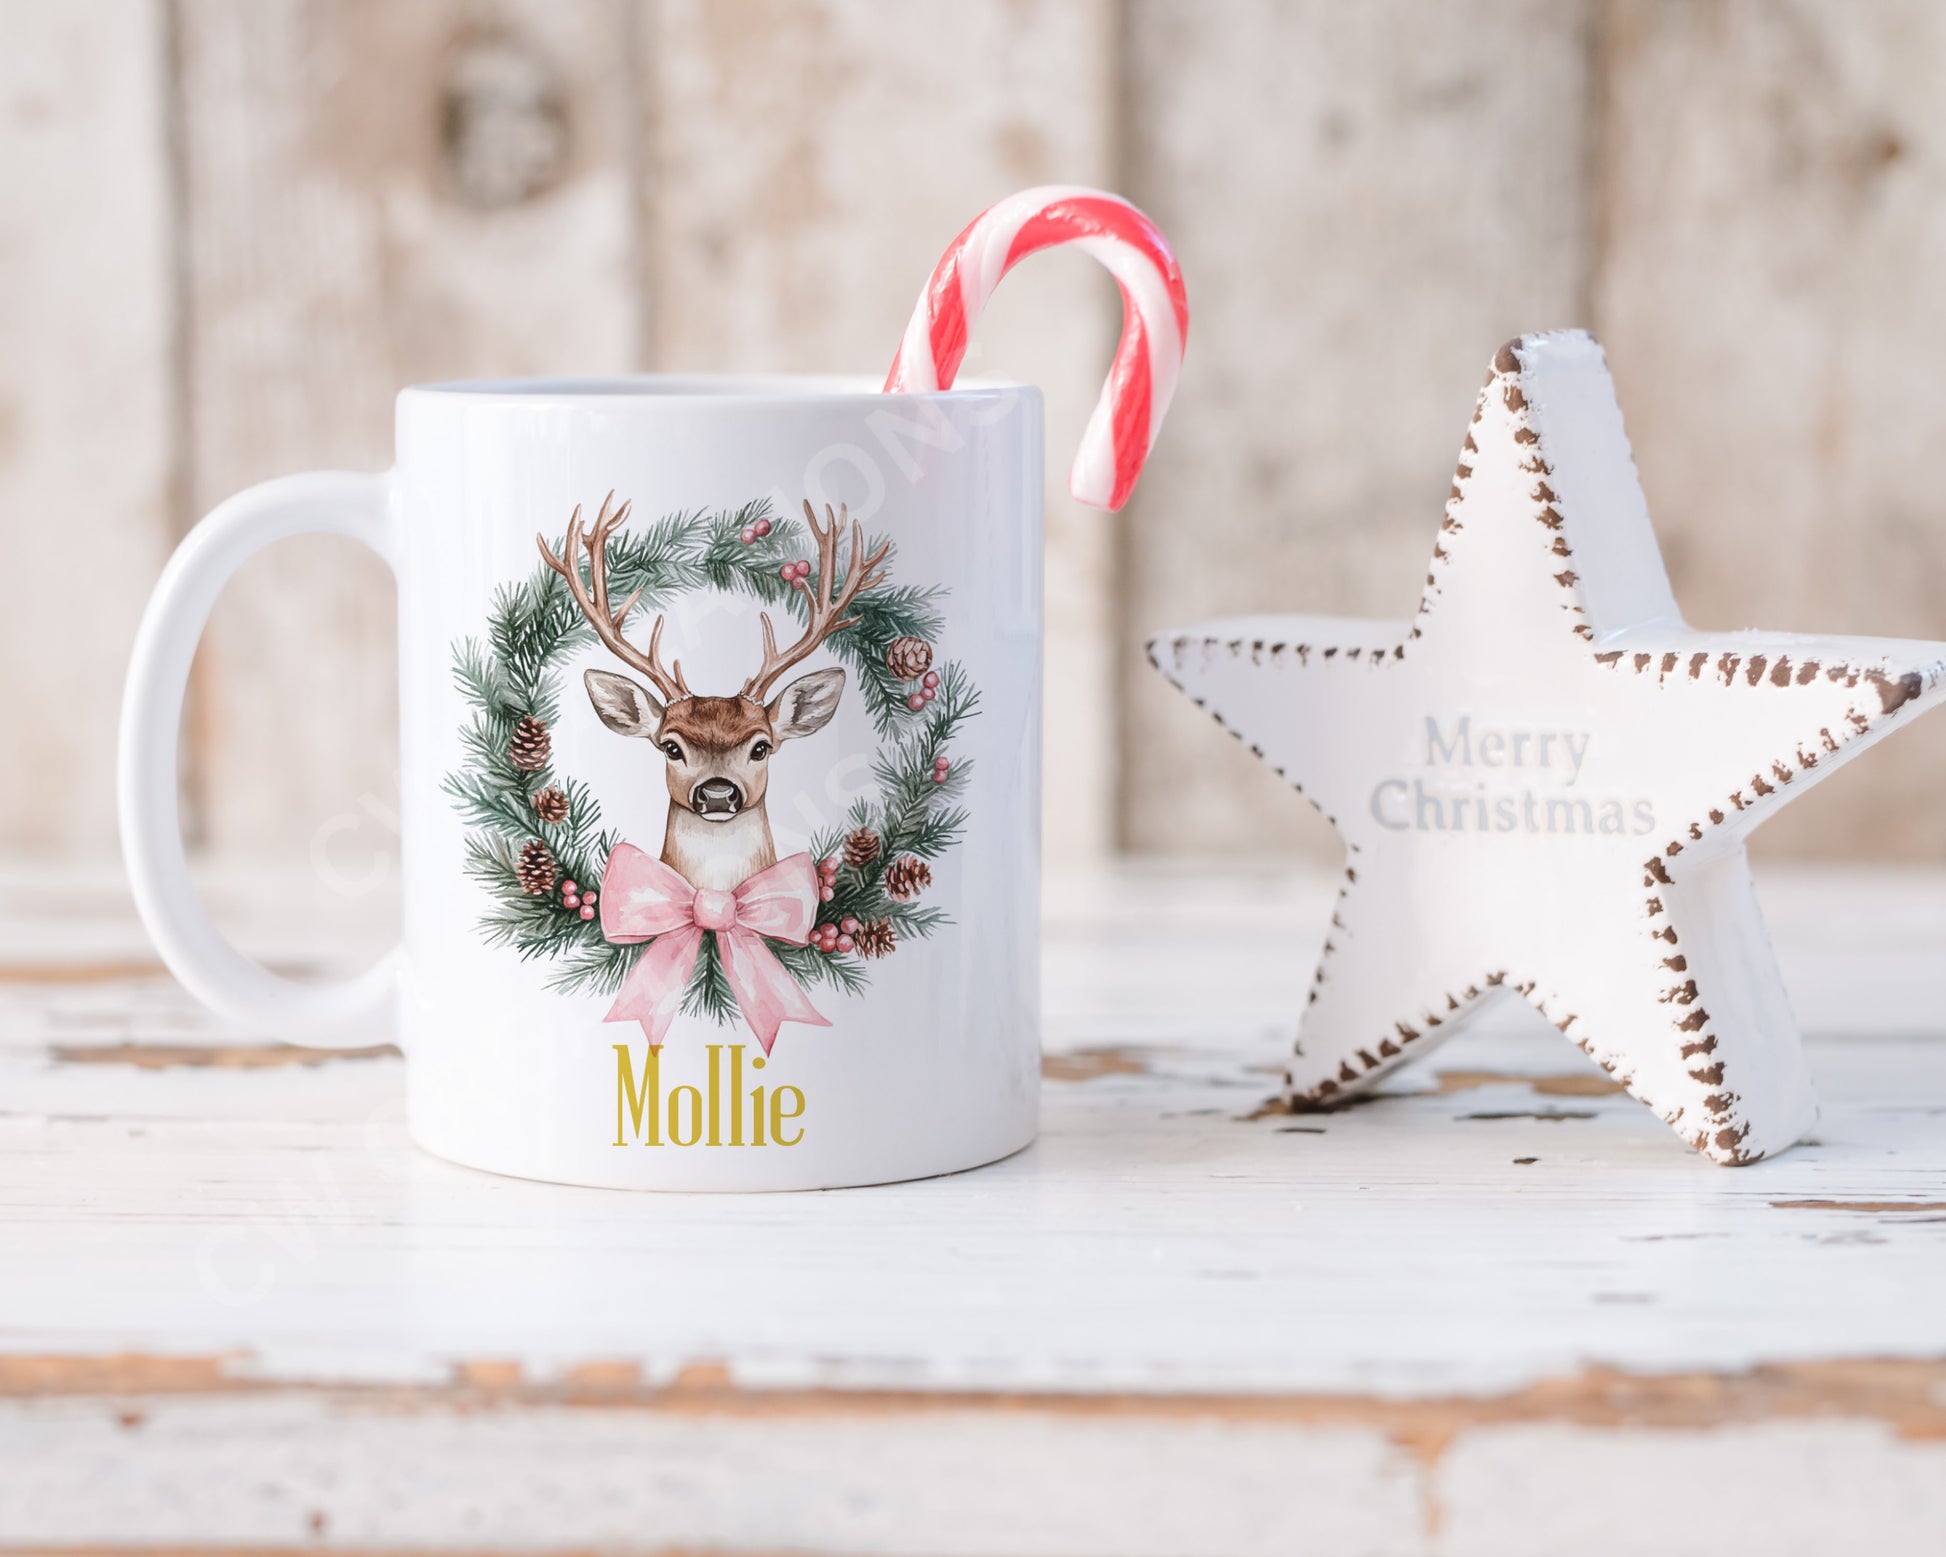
(1367, 199)
(256, 1212)
(1768, 292)
(220, 1174)
(810, 163)
(388, 1475)
(87, 406)
(1507, 1282)
(377, 194)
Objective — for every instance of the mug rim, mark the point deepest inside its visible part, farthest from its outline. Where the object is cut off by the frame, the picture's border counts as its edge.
(700, 389)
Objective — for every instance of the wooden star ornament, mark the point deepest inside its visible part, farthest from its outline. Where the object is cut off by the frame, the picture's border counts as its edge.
(1545, 780)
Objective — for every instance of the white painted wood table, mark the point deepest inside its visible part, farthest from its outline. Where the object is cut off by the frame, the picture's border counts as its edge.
(1499, 1310)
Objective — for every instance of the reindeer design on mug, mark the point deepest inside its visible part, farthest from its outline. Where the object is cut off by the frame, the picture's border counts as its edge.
(717, 750)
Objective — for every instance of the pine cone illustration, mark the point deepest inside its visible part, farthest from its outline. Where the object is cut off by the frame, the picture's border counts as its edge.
(875, 938)
(907, 878)
(550, 805)
(536, 869)
(531, 745)
(861, 848)
(909, 658)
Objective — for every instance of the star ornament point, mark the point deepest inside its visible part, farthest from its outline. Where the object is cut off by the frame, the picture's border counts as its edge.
(1545, 780)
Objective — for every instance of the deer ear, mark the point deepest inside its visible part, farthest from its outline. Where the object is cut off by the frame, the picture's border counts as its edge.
(807, 704)
(624, 707)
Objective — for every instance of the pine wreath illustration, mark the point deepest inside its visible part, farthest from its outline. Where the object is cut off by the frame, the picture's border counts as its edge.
(514, 803)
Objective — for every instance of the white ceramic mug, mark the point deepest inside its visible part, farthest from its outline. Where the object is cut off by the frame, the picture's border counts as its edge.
(739, 894)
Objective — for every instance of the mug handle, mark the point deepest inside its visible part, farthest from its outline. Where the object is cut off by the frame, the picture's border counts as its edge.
(334, 1014)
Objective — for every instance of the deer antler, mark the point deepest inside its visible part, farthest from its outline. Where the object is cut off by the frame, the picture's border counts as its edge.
(591, 595)
(827, 611)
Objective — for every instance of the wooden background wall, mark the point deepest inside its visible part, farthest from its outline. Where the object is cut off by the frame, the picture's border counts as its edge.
(230, 229)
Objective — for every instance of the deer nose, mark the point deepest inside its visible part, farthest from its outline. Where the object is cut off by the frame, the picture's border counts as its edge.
(716, 797)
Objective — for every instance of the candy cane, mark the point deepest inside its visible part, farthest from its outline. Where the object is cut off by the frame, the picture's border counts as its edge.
(1155, 320)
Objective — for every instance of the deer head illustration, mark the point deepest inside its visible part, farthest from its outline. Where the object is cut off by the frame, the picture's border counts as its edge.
(717, 750)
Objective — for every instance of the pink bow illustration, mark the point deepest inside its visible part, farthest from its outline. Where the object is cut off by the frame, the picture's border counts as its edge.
(642, 899)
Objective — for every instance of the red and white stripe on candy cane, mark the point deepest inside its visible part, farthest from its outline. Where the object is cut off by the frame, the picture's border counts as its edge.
(1155, 320)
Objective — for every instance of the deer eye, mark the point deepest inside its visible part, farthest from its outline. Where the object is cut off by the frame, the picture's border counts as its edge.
(760, 751)
(672, 751)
